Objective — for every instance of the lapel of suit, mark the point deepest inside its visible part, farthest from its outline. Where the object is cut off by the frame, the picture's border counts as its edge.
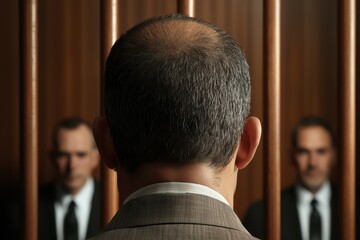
(289, 215)
(333, 214)
(172, 208)
(94, 224)
(47, 226)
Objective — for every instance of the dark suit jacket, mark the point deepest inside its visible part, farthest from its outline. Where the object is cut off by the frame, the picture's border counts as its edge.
(175, 216)
(47, 226)
(290, 223)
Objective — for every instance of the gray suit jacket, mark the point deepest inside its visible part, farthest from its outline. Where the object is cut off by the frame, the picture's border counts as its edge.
(175, 216)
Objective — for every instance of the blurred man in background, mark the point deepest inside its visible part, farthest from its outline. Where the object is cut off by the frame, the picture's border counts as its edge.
(308, 208)
(70, 207)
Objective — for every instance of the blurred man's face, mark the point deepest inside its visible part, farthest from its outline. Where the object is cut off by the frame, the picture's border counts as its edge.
(314, 157)
(76, 157)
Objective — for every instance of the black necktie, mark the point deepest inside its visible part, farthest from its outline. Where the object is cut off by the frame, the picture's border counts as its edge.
(71, 224)
(315, 222)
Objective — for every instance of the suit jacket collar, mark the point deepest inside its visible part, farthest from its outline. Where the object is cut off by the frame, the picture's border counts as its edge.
(334, 212)
(175, 208)
(95, 213)
(47, 225)
(290, 216)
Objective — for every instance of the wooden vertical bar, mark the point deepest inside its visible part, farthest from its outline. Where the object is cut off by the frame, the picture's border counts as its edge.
(29, 115)
(186, 7)
(347, 31)
(272, 118)
(109, 34)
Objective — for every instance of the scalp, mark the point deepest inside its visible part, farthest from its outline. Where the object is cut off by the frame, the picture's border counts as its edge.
(173, 37)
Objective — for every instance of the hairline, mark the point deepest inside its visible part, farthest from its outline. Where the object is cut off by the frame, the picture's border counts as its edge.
(312, 125)
(59, 128)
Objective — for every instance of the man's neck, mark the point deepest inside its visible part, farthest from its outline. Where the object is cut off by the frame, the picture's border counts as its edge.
(74, 192)
(325, 187)
(198, 173)
(176, 188)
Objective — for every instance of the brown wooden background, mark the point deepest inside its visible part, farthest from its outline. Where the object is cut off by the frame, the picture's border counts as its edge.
(69, 70)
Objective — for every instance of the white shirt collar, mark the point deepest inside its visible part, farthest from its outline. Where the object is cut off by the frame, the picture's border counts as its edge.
(176, 187)
(304, 196)
(82, 200)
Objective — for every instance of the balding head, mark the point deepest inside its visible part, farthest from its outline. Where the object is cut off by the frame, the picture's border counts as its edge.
(177, 90)
(165, 37)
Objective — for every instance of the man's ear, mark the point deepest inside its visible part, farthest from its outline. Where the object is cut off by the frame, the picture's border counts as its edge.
(104, 143)
(249, 142)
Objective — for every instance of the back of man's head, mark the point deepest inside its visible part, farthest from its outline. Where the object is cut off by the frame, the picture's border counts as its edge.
(177, 90)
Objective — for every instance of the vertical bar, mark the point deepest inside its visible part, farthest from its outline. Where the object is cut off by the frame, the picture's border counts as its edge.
(347, 31)
(29, 115)
(272, 118)
(109, 34)
(186, 7)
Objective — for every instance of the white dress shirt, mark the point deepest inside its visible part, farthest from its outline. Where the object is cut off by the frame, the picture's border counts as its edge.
(82, 209)
(323, 196)
(176, 187)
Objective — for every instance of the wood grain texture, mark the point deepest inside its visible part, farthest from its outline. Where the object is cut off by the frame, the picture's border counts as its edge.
(29, 117)
(272, 115)
(69, 69)
(186, 7)
(347, 147)
(109, 34)
(70, 60)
